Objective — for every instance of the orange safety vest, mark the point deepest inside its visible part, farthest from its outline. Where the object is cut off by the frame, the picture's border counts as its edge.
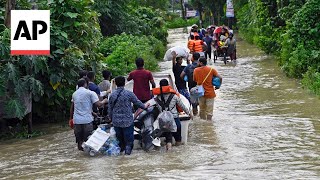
(196, 34)
(167, 89)
(190, 45)
(197, 46)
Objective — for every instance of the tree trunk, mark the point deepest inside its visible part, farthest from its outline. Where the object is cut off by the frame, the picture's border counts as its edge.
(183, 13)
(10, 4)
(200, 13)
(30, 123)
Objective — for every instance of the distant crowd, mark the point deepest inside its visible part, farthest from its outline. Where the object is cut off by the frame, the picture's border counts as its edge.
(212, 40)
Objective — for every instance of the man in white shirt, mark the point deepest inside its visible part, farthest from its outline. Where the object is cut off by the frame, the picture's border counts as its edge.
(81, 111)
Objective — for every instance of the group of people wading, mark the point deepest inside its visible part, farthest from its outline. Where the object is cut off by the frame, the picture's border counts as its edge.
(88, 97)
(196, 73)
(212, 39)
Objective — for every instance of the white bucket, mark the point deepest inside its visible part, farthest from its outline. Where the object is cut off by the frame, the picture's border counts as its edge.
(184, 131)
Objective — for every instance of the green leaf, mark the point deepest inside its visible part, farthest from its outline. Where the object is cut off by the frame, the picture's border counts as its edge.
(64, 34)
(58, 51)
(12, 72)
(67, 23)
(16, 108)
(71, 15)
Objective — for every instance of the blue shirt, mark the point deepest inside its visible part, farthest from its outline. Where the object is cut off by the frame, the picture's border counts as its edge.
(121, 112)
(208, 41)
(83, 100)
(93, 87)
(187, 70)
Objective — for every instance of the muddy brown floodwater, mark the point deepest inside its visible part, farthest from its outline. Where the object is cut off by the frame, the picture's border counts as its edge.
(265, 126)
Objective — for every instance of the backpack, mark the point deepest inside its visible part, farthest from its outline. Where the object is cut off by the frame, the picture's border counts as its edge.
(165, 118)
(191, 83)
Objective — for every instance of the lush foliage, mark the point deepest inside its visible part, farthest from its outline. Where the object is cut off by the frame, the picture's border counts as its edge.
(180, 22)
(150, 22)
(122, 50)
(157, 4)
(123, 16)
(2, 11)
(288, 29)
(51, 79)
(77, 43)
(211, 12)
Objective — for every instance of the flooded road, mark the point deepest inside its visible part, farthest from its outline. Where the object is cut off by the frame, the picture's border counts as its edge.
(265, 126)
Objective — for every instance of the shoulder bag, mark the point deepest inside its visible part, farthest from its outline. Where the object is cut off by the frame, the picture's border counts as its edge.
(198, 91)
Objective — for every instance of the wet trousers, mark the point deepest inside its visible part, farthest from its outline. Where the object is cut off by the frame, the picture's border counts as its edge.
(82, 132)
(176, 135)
(125, 137)
(206, 107)
(208, 53)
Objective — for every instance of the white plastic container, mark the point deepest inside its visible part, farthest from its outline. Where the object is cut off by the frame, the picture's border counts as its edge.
(184, 131)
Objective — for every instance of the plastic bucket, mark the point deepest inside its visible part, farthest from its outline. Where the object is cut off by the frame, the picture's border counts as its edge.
(184, 131)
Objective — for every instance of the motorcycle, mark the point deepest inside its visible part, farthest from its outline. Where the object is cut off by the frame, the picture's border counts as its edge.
(144, 127)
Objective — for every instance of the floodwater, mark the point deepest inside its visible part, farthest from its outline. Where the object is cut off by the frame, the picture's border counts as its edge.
(265, 126)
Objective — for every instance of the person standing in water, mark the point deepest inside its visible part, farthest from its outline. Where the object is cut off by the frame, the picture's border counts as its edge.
(188, 72)
(81, 111)
(141, 81)
(177, 69)
(203, 76)
(172, 100)
(120, 112)
(231, 47)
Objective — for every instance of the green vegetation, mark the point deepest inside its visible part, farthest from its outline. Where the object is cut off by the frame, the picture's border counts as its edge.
(211, 12)
(178, 22)
(69, 53)
(85, 34)
(122, 50)
(287, 29)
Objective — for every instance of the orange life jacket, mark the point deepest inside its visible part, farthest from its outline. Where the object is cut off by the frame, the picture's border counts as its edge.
(190, 45)
(197, 46)
(167, 89)
(196, 34)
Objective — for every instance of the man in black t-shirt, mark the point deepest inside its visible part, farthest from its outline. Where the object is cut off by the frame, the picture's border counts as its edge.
(177, 68)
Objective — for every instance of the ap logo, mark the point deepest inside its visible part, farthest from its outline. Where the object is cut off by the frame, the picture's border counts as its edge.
(30, 32)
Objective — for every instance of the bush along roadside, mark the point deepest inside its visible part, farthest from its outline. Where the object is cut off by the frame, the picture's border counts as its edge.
(122, 50)
(179, 22)
(288, 30)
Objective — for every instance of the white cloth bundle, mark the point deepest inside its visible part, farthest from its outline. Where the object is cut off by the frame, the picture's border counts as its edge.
(181, 52)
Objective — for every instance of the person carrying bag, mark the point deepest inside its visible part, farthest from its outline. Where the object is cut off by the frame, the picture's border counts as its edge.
(198, 91)
(203, 75)
(168, 119)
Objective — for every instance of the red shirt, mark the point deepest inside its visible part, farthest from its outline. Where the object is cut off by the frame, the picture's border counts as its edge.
(141, 83)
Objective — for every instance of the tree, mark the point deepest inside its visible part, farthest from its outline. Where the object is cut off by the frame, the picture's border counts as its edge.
(183, 12)
(50, 80)
(156, 4)
(210, 7)
(10, 4)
